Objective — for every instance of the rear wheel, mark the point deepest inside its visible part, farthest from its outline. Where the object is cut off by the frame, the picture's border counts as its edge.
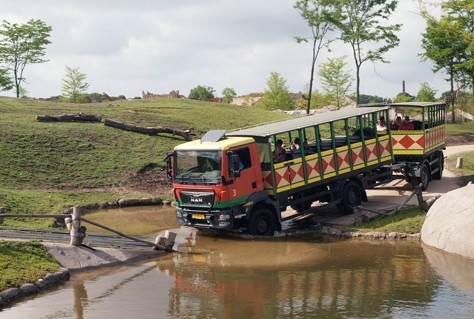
(424, 178)
(262, 222)
(351, 197)
(440, 166)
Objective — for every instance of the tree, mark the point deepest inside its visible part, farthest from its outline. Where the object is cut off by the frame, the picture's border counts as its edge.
(367, 99)
(74, 85)
(361, 23)
(462, 13)
(276, 96)
(315, 12)
(6, 83)
(449, 43)
(23, 44)
(201, 92)
(335, 81)
(403, 97)
(426, 93)
(228, 94)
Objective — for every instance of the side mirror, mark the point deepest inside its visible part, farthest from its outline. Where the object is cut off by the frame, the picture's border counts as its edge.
(234, 165)
(169, 167)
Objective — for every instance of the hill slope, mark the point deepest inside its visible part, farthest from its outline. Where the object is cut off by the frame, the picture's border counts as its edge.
(48, 166)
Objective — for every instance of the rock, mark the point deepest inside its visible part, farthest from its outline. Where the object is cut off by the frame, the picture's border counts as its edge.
(449, 223)
(29, 289)
(10, 294)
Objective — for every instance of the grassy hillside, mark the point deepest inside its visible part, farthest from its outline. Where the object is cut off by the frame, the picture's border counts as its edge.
(47, 167)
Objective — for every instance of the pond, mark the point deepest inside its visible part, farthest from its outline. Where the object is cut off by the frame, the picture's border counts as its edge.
(228, 277)
(215, 276)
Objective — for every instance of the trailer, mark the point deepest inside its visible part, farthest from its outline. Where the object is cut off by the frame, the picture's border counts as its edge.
(417, 147)
(230, 181)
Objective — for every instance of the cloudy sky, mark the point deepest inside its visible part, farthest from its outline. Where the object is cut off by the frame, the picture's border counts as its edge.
(125, 47)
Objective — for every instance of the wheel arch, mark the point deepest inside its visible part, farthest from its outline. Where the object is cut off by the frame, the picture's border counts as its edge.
(259, 200)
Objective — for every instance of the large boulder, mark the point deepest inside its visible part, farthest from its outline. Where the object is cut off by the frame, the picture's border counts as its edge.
(449, 223)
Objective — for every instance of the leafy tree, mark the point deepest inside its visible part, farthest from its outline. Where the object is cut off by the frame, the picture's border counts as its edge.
(6, 83)
(23, 44)
(319, 99)
(449, 43)
(276, 95)
(426, 93)
(335, 81)
(201, 92)
(461, 12)
(367, 99)
(315, 12)
(228, 94)
(403, 97)
(363, 23)
(74, 85)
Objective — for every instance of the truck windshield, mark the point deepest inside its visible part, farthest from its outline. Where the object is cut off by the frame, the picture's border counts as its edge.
(197, 167)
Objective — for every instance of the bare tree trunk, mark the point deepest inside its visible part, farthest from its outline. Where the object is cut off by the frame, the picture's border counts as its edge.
(79, 117)
(186, 134)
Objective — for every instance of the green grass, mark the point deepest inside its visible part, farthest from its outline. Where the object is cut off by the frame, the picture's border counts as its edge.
(460, 129)
(407, 221)
(23, 262)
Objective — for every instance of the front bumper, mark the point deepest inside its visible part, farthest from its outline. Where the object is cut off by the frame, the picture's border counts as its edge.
(219, 219)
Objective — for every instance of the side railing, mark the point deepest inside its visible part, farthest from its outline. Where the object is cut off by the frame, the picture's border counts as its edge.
(78, 232)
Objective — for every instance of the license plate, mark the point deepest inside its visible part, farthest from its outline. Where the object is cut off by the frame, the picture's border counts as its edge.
(199, 216)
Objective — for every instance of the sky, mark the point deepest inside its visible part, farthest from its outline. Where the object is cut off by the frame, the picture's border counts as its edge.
(125, 47)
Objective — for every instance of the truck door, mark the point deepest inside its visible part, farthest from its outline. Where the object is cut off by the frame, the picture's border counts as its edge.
(247, 183)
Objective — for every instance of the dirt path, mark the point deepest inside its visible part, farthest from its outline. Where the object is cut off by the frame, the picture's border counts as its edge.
(398, 191)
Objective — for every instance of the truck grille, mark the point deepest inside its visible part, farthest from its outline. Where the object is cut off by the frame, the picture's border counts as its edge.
(197, 199)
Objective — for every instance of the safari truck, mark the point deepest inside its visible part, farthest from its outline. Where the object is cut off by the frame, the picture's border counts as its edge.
(228, 180)
(417, 147)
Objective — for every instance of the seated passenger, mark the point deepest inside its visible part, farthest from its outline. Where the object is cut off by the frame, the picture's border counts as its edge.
(296, 144)
(406, 124)
(396, 123)
(381, 125)
(279, 153)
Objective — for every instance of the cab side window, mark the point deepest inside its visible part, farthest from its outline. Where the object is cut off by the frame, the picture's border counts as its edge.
(244, 155)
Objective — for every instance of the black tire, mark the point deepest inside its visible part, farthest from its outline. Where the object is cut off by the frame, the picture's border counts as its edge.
(262, 222)
(424, 179)
(439, 174)
(351, 197)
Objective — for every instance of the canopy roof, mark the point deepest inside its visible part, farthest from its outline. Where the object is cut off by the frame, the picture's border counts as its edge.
(270, 129)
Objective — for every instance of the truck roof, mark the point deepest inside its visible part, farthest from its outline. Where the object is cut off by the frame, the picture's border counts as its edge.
(220, 144)
(269, 129)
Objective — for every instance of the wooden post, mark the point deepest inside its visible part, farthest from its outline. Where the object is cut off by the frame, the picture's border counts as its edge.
(2, 211)
(78, 232)
(459, 162)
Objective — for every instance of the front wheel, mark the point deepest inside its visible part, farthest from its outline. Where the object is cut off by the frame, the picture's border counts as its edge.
(351, 197)
(262, 222)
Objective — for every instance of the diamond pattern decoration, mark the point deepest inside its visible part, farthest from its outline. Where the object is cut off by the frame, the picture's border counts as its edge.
(357, 156)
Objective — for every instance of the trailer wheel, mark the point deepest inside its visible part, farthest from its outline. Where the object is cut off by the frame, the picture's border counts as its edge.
(424, 179)
(440, 167)
(350, 197)
(262, 222)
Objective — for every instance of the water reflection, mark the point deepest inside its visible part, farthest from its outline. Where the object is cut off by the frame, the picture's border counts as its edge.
(219, 277)
(305, 280)
(134, 221)
(458, 271)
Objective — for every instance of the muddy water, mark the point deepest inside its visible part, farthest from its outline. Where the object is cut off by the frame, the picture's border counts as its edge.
(144, 220)
(229, 277)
